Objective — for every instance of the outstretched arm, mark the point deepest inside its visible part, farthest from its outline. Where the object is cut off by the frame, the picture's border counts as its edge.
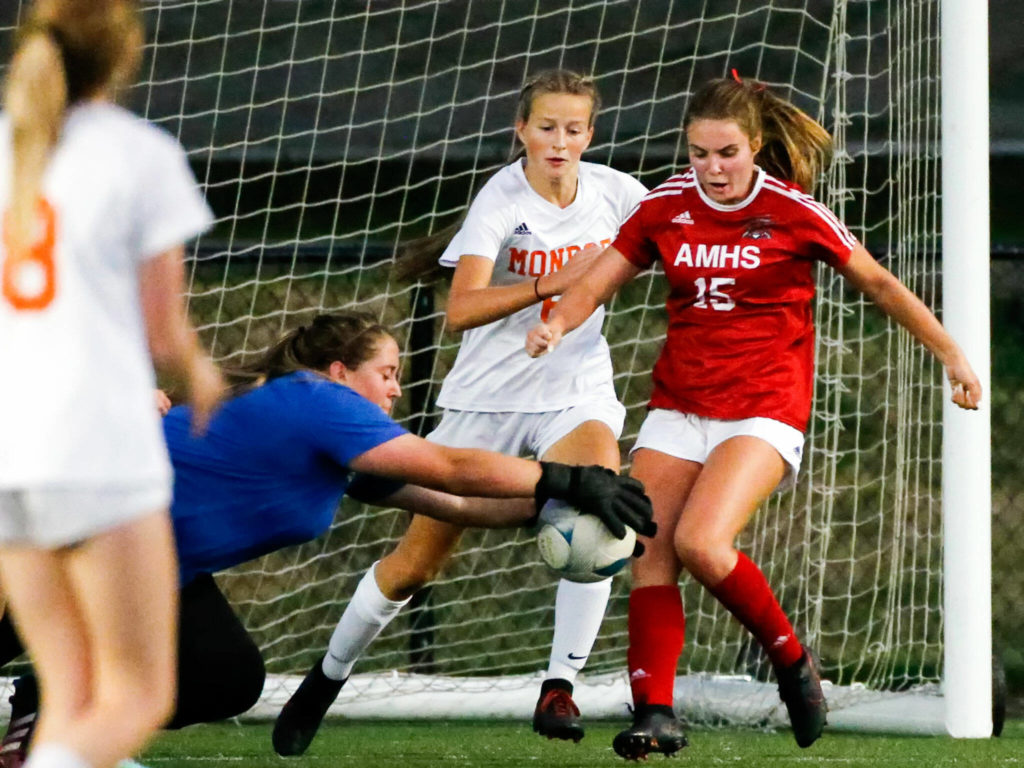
(900, 303)
(618, 501)
(609, 273)
(461, 471)
(466, 511)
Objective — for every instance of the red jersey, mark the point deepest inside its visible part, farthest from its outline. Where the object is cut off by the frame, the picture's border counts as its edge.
(740, 339)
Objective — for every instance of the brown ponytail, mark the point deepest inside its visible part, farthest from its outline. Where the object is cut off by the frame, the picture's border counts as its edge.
(349, 337)
(795, 147)
(417, 259)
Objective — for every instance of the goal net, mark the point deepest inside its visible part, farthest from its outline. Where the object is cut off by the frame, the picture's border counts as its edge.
(326, 133)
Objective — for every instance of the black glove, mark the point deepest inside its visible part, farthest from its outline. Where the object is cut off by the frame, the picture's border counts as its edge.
(617, 501)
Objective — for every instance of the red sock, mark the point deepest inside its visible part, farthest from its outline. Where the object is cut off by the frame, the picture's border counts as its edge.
(745, 592)
(657, 628)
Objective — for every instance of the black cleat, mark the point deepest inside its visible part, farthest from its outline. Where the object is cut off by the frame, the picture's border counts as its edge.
(557, 716)
(800, 690)
(24, 708)
(653, 730)
(301, 716)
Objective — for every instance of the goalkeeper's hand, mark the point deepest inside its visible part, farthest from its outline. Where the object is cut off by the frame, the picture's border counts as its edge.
(616, 500)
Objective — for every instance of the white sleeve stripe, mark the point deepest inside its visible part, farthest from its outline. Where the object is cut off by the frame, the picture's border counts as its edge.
(679, 178)
(673, 186)
(670, 185)
(809, 201)
(659, 192)
(844, 234)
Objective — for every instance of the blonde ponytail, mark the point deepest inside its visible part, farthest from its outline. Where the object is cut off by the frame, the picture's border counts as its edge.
(67, 50)
(34, 98)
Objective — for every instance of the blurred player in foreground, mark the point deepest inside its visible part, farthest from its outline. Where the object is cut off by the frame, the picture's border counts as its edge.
(96, 205)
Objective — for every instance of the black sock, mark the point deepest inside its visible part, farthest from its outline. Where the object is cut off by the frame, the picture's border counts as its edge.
(26, 695)
(10, 644)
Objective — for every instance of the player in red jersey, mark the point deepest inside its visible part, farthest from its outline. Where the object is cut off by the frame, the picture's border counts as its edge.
(732, 388)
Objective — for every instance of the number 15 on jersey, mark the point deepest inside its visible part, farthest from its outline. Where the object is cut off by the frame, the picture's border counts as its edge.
(710, 294)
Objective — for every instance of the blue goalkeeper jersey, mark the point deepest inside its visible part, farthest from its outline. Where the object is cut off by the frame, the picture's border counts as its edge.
(270, 470)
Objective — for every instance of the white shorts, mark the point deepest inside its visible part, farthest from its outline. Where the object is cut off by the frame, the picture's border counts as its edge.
(523, 434)
(50, 518)
(693, 438)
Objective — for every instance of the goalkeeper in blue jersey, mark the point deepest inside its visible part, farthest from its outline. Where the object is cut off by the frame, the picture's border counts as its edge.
(311, 425)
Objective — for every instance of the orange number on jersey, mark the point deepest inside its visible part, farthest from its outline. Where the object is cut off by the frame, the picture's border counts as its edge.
(30, 277)
(545, 309)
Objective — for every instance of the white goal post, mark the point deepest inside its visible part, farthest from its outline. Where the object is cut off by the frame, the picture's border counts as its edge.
(327, 132)
(966, 442)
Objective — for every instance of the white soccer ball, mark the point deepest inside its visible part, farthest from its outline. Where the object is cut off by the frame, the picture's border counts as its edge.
(579, 547)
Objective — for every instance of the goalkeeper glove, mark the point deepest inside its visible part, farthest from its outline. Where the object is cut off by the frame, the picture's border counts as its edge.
(616, 500)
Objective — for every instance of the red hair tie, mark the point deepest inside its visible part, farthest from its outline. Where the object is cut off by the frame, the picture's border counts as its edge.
(758, 88)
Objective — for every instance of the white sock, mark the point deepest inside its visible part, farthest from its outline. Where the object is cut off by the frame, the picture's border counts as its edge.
(364, 618)
(579, 609)
(53, 755)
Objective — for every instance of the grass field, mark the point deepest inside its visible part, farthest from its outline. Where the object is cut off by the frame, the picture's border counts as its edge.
(512, 744)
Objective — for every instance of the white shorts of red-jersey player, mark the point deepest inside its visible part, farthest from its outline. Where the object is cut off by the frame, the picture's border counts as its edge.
(693, 438)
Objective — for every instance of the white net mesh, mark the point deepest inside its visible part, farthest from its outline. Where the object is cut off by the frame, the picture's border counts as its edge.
(326, 133)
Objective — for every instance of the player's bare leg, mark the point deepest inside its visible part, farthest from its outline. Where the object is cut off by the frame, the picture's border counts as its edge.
(99, 621)
(420, 555)
(737, 477)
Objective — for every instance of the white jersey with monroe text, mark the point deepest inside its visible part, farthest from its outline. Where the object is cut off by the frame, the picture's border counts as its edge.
(77, 387)
(527, 236)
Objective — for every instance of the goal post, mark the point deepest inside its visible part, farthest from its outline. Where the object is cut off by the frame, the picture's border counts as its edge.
(966, 444)
(326, 133)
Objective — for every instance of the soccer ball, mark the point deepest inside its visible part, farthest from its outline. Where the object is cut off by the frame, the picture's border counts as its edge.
(579, 547)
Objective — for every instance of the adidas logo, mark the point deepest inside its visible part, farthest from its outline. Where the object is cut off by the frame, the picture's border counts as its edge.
(639, 674)
(522, 229)
(683, 218)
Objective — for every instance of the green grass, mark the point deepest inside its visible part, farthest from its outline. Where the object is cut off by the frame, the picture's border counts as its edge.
(512, 745)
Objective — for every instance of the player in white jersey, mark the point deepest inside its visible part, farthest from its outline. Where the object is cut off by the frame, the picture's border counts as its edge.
(96, 206)
(530, 233)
